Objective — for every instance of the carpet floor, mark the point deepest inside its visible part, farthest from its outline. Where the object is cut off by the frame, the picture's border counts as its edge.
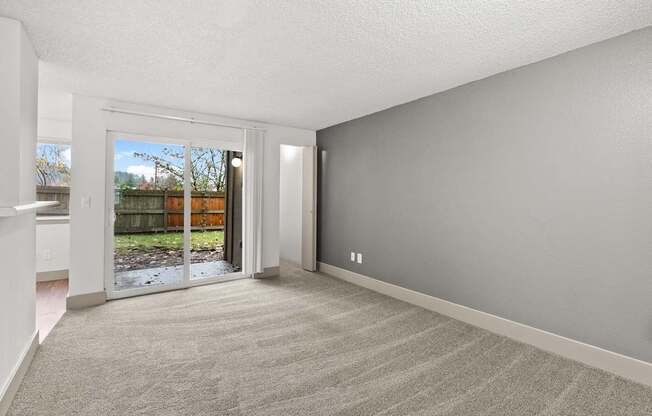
(301, 344)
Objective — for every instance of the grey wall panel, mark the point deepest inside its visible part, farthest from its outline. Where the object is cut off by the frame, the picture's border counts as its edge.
(527, 194)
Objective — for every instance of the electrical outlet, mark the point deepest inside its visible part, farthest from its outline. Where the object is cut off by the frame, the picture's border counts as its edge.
(359, 258)
(353, 256)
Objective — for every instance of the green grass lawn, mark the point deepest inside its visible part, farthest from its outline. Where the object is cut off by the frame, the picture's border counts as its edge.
(200, 240)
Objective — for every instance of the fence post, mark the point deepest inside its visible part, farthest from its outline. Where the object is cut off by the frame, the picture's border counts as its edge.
(165, 211)
(204, 208)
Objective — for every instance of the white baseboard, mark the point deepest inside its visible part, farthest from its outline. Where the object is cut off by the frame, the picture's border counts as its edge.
(51, 275)
(17, 374)
(292, 263)
(268, 272)
(85, 300)
(621, 365)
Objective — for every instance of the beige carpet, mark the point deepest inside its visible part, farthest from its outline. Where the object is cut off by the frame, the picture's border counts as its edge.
(302, 344)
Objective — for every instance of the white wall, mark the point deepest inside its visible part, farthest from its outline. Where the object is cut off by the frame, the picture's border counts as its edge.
(52, 245)
(54, 104)
(90, 125)
(54, 115)
(18, 104)
(54, 124)
(526, 195)
(290, 174)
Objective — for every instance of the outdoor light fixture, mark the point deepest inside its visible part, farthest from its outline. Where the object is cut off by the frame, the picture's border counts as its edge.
(236, 162)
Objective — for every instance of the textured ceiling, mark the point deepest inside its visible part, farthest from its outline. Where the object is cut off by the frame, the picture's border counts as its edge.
(302, 63)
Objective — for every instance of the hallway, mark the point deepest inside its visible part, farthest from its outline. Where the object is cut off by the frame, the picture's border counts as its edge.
(50, 305)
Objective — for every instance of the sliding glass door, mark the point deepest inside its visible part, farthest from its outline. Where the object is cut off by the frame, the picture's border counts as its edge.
(148, 207)
(214, 186)
(176, 214)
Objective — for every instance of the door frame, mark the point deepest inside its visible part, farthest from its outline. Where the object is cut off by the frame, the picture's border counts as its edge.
(309, 208)
(186, 281)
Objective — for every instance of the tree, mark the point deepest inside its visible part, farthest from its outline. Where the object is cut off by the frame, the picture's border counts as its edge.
(52, 165)
(169, 182)
(126, 180)
(207, 168)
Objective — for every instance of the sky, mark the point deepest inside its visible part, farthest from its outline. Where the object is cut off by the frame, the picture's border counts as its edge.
(124, 159)
(126, 162)
(66, 154)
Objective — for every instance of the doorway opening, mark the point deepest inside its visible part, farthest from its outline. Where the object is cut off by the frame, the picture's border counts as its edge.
(177, 214)
(53, 178)
(297, 206)
(291, 165)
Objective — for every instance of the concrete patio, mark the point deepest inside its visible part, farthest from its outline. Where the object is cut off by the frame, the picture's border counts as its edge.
(156, 276)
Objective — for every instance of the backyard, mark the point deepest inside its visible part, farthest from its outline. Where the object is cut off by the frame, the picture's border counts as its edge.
(145, 250)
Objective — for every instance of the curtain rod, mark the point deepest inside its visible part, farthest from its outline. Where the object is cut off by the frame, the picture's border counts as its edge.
(175, 118)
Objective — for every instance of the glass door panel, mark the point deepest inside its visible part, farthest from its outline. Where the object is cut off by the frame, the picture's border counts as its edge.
(216, 185)
(148, 238)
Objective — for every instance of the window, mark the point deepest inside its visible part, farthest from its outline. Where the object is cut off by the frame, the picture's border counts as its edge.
(53, 163)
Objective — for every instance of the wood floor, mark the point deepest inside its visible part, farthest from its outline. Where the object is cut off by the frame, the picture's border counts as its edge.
(50, 305)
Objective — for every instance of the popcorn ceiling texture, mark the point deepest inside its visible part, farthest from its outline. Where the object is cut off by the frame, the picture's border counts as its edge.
(302, 63)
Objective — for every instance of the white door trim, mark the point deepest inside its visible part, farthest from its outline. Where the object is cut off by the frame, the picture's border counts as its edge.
(252, 229)
(309, 208)
(187, 216)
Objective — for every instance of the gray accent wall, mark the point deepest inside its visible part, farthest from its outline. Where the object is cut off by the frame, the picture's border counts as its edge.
(527, 195)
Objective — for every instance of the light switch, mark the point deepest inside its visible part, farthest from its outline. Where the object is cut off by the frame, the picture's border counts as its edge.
(353, 256)
(360, 258)
(86, 202)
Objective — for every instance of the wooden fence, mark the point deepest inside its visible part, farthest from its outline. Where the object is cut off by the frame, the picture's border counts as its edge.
(148, 211)
(161, 211)
(54, 193)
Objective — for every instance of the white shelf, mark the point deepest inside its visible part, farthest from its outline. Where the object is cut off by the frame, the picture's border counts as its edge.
(26, 208)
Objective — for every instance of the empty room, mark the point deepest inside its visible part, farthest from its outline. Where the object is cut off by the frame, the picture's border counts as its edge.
(347, 207)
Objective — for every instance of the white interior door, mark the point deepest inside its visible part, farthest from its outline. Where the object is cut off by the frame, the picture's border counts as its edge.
(309, 209)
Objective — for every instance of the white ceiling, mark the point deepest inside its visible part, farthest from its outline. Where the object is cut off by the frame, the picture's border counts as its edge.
(302, 63)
